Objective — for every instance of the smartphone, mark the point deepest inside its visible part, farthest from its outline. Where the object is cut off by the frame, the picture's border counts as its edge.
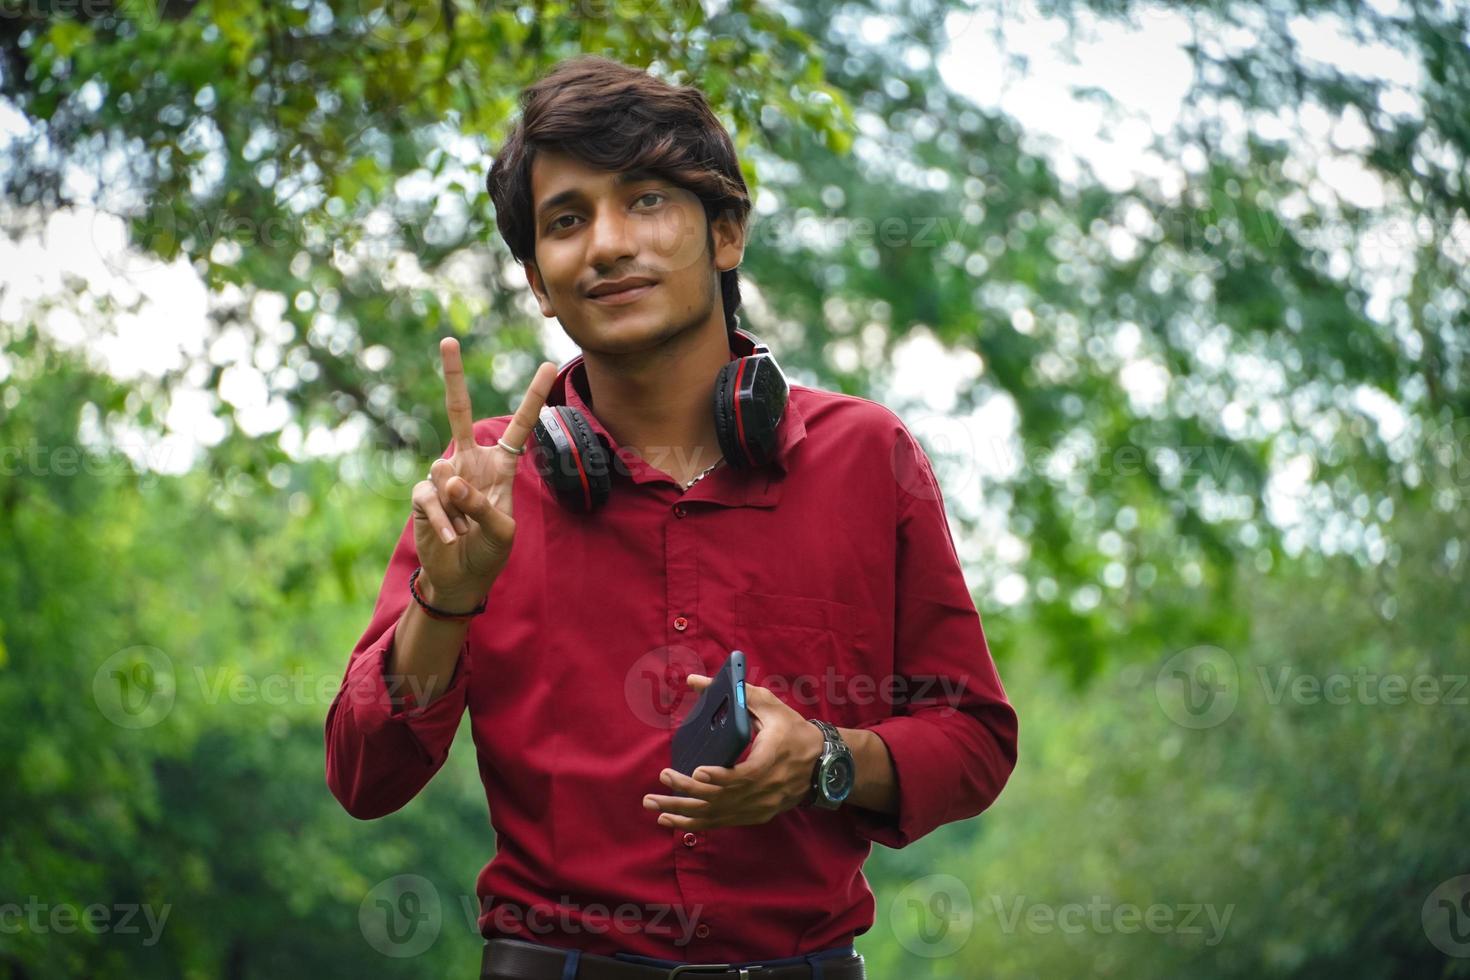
(718, 729)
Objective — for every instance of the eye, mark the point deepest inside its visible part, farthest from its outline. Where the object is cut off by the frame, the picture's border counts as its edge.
(556, 225)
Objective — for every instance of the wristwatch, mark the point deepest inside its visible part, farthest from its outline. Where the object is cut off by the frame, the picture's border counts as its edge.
(834, 773)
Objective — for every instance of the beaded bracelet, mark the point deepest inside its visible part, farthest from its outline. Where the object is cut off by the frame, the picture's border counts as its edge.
(434, 613)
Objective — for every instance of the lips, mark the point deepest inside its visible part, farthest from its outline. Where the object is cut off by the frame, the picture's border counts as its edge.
(625, 297)
(618, 286)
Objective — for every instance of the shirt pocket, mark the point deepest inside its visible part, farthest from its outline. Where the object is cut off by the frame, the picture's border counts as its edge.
(804, 649)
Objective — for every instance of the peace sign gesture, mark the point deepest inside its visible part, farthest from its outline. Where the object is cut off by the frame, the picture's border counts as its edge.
(462, 514)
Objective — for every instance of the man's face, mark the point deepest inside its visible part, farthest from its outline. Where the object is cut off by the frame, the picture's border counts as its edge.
(596, 226)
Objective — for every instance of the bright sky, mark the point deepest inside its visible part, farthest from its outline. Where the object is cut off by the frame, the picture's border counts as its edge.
(1143, 65)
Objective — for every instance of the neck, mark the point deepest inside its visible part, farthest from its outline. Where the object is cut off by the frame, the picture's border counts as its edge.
(658, 403)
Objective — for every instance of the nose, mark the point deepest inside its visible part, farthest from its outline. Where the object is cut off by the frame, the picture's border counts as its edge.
(610, 240)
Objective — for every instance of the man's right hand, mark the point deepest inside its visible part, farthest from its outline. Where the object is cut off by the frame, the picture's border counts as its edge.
(462, 516)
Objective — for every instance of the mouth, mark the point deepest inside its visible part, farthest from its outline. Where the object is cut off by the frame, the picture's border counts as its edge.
(624, 296)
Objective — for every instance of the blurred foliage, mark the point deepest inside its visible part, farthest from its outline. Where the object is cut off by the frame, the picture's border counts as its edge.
(225, 614)
(1299, 833)
(326, 160)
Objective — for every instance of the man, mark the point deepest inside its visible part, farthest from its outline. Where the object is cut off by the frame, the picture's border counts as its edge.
(577, 640)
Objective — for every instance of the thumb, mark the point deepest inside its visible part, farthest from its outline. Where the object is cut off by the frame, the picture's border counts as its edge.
(495, 526)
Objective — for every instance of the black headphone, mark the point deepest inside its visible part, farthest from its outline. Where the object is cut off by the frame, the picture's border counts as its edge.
(750, 399)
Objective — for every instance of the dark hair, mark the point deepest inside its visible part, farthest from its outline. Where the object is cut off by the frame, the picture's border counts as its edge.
(617, 117)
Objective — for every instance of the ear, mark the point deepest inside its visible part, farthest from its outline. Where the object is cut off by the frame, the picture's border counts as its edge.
(533, 279)
(729, 241)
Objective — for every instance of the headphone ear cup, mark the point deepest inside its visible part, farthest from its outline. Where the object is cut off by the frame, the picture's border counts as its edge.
(571, 458)
(750, 399)
(725, 414)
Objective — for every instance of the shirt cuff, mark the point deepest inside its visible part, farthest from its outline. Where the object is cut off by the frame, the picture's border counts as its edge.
(922, 765)
(376, 707)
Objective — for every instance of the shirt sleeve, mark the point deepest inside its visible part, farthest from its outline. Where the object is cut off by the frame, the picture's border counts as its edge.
(953, 734)
(382, 746)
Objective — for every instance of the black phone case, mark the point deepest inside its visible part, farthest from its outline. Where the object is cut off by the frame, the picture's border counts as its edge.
(710, 736)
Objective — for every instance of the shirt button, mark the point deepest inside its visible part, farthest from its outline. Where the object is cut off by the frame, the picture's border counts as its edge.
(690, 840)
(701, 930)
(680, 623)
(679, 510)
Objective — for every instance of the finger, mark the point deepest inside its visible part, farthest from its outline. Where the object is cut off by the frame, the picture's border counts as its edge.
(756, 694)
(717, 778)
(680, 783)
(674, 821)
(763, 706)
(456, 395)
(495, 526)
(681, 805)
(698, 681)
(440, 472)
(529, 411)
(426, 502)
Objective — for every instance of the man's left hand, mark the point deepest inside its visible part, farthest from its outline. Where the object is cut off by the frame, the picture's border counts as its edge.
(772, 778)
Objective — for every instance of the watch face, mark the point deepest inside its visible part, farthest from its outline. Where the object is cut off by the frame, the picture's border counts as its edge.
(837, 778)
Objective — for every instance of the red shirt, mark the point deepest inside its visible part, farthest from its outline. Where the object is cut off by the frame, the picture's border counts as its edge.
(834, 570)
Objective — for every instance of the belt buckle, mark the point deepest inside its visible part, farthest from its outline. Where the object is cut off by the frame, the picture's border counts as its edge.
(745, 971)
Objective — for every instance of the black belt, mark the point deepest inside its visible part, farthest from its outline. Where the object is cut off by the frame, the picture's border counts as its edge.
(515, 959)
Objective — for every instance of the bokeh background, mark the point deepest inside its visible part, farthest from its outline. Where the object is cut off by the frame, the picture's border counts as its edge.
(1174, 295)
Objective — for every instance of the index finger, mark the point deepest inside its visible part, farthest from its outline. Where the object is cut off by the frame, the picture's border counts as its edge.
(456, 395)
(529, 412)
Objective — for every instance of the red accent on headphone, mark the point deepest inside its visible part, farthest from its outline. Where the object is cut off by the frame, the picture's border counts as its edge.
(577, 458)
(739, 420)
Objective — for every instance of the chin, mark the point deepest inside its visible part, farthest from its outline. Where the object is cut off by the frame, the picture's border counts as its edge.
(626, 331)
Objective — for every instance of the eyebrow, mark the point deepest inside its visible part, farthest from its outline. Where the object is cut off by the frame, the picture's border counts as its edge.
(623, 178)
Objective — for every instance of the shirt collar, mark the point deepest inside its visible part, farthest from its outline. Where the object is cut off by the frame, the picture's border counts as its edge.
(725, 484)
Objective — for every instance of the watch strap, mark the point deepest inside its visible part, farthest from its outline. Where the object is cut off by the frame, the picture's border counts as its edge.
(831, 742)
